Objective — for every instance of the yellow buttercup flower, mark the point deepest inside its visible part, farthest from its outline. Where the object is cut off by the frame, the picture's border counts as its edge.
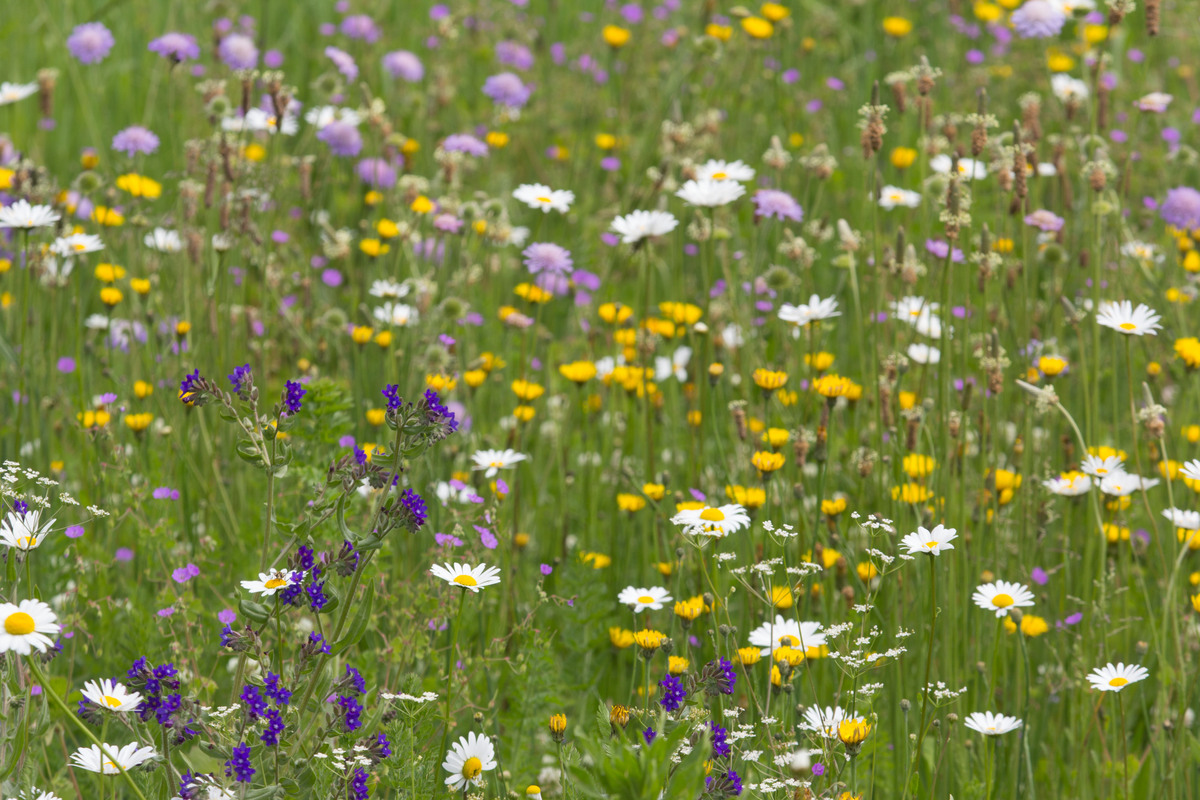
(757, 27)
(719, 32)
(897, 26)
(769, 380)
(615, 36)
(655, 491)
(527, 390)
(630, 502)
(766, 461)
(903, 157)
(620, 637)
(774, 11)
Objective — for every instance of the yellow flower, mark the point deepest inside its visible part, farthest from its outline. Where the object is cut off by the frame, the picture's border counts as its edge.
(911, 493)
(1052, 365)
(776, 437)
(373, 247)
(614, 313)
(1059, 62)
(766, 461)
(676, 665)
(524, 413)
(94, 419)
(769, 380)
(606, 141)
(373, 197)
(718, 32)
(1095, 34)
(1196, 602)
(361, 334)
(1033, 625)
(853, 732)
(138, 422)
(109, 217)
(781, 597)
(139, 186)
(649, 640)
(410, 146)
(441, 383)
(1115, 533)
(532, 293)
(107, 273)
(795, 139)
(903, 157)
(788, 398)
(615, 36)
(988, 12)
(497, 139)
(376, 416)
(110, 296)
(688, 610)
(819, 361)
(749, 656)
(578, 372)
(140, 285)
(1191, 433)
(832, 386)
(757, 27)
(474, 377)
(526, 390)
(751, 497)
(833, 507)
(183, 328)
(254, 152)
(665, 568)
(597, 560)
(1189, 350)
(630, 502)
(897, 26)
(918, 466)
(693, 418)
(655, 491)
(774, 11)
(681, 313)
(387, 229)
(383, 338)
(422, 205)
(867, 571)
(791, 656)
(142, 389)
(1003, 245)
(620, 637)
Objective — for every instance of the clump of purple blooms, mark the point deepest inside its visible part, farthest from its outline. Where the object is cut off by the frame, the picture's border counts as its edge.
(343, 61)
(178, 47)
(135, 139)
(1181, 208)
(1038, 19)
(1045, 220)
(777, 204)
(464, 143)
(360, 26)
(673, 693)
(90, 42)
(343, 138)
(514, 54)
(404, 65)
(507, 89)
(237, 51)
(293, 395)
(377, 172)
(238, 767)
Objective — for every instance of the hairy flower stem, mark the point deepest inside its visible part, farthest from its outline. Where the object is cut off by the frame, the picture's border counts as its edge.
(915, 769)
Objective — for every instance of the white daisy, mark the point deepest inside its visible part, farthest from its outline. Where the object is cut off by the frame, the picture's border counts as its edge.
(447, 492)
(1122, 317)
(638, 225)
(12, 92)
(1191, 469)
(202, 787)
(990, 724)
(644, 599)
(1001, 596)
(396, 314)
(24, 531)
(815, 310)
(910, 307)
(112, 759)
(22, 214)
(269, 583)
(1155, 102)
(28, 625)
(76, 244)
(675, 365)
(1099, 467)
(389, 290)
(258, 120)
(894, 197)
(467, 760)
(111, 695)
(35, 794)
(1123, 484)
(1142, 251)
(932, 542)
(538, 195)
(1188, 520)
(1069, 484)
(466, 576)
(1110, 678)
(824, 721)
(924, 353)
(716, 522)
(967, 167)
(785, 632)
(496, 460)
(163, 240)
(709, 193)
(321, 116)
(714, 170)
(1067, 89)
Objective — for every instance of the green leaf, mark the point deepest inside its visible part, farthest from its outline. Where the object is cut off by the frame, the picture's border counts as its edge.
(358, 626)
(256, 612)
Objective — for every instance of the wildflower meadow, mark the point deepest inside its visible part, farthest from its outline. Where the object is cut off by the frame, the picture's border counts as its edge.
(647, 400)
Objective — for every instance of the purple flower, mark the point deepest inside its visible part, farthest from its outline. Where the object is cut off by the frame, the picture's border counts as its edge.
(777, 204)
(135, 139)
(90, 42)
(818, 769)
(507, 89)
(1045, 220)
(941, 249)
(178, 47)
(342, 137)
(447, 223)
(514, 54)
(1039, 576)
(226, 616)
(649, 735)
(185, 574)
(1182, 208)
(464, 143)
(239, 767)
(343, 61)
(1038, 19)
(238, 51)
(544, 256)
(273, 59)
(487, 538)
(546, 569)
(74, 531)
(673, 693)
(444, 539)
(412, 503)
(405, 65)
(66, 364)
(165, 493)
(376, 172)
(293, 394)
(1074, 619)
(166, 612)
(360, 26)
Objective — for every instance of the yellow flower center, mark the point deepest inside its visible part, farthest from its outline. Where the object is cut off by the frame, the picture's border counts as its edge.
(112, 764)
(111, 701)
(466, 580)
(931, 544)
(26, 542)
(543, 199)
(712, 515)
(19, 624)
(647, 599)
(789, 641)
(79, 245)
(275, 583)
(1118, 682)
(471, 768)
(719, 176)
(496, 464)
(1002, 601)
(1128, 326)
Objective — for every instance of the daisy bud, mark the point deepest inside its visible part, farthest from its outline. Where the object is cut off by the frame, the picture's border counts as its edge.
(478, 717)
(905, 706)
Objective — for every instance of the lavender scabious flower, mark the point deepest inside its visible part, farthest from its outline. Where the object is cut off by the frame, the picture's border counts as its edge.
(392, 393)
(350, 712)
(720, 740)
(1038, 19)
(343, 138)
(404, 65)
(777, 204)
(377, 172)
(415, 512)
(465, 143)
(514, 54)
(547, 257)
(343, 61)
(135, 139)
(1045, 220)
(293, 394)
(360, 26)
(673, 693)
(358, 786)
(178, 47)
(239, 767)
(507, 89)
(238, 52)
(1181, 208)
(90, 42)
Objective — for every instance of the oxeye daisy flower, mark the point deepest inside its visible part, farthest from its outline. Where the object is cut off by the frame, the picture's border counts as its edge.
(675, 366)
(1122, 317)
(1114, 678)
(28, 625)
(540, 196)
(1001, 596)
(815, 310)
(24, 531)
(709, 193)
(1099, 467)
(1191, 470)
(1123, 484)
(1180, 518)
(35, 794)
(111, 695)
(1038, 19)
(990, 724)
(90, 42)
(966, 167)
(923, 353)
(466, 576)
(638, 225)
(894, 197)
(397, 314)
(494, 460)
(1068, 89)
(467, 760)
(640, 600)
(21, 214)
(163, 240)
(12, 92)
(824, 721)
(1069, 484)
(932, 542)
(715, 170)
(716, 522)
(76, 244)
(112, 759)
(786, 632)
(135, 139)
(269, 583)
